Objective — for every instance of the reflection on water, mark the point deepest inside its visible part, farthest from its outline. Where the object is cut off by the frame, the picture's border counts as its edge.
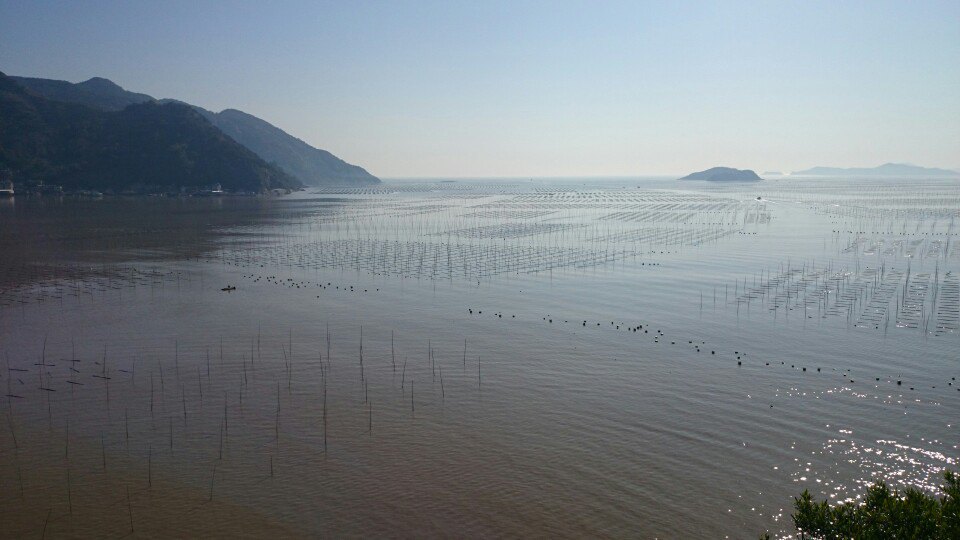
(578, 358)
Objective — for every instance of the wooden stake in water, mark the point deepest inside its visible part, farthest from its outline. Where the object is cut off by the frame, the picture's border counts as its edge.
(12, 432)
(325, 416)
(443, 394)
(69, 497)
(212, 476)
(129, 509)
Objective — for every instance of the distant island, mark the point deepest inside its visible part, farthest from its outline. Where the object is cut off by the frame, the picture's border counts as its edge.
(724, 174)
(308, 165)
(885, 170)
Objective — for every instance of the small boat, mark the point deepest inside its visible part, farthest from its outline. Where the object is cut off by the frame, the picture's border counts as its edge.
(229, 288)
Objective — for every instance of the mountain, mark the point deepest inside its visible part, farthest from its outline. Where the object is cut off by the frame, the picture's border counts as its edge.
(146, 146)
(97, 92)
(887, 169)
(308, 164)
(311, 165)
(724, 174)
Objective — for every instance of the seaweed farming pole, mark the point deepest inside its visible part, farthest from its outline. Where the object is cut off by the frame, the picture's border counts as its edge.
(69, 496)
(443, 394)
(212, 476)
(129, 509)
(324, 416)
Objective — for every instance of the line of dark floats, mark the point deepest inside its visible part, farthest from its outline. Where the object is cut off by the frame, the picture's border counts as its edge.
(696, 344)
(56, 281)
(287, 352)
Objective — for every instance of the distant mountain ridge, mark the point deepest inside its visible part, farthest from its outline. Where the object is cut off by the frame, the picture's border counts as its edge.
(97, 92)
(887, 169)
(310, 165)
(724, 174)
(144, 147)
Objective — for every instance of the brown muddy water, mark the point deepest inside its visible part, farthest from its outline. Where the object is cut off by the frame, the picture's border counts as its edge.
(604, 358)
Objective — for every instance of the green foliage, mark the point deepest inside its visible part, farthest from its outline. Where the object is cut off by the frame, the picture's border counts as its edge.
(884, 514)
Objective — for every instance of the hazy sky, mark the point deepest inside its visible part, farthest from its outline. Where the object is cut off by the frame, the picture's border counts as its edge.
(535, 88)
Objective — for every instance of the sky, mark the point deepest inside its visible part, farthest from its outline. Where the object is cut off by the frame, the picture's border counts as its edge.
(535, 89)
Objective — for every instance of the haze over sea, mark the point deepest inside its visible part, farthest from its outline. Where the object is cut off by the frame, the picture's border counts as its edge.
(525, 269)
(586, 357)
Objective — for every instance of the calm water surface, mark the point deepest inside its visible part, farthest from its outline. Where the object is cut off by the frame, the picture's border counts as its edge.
(617, 358)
